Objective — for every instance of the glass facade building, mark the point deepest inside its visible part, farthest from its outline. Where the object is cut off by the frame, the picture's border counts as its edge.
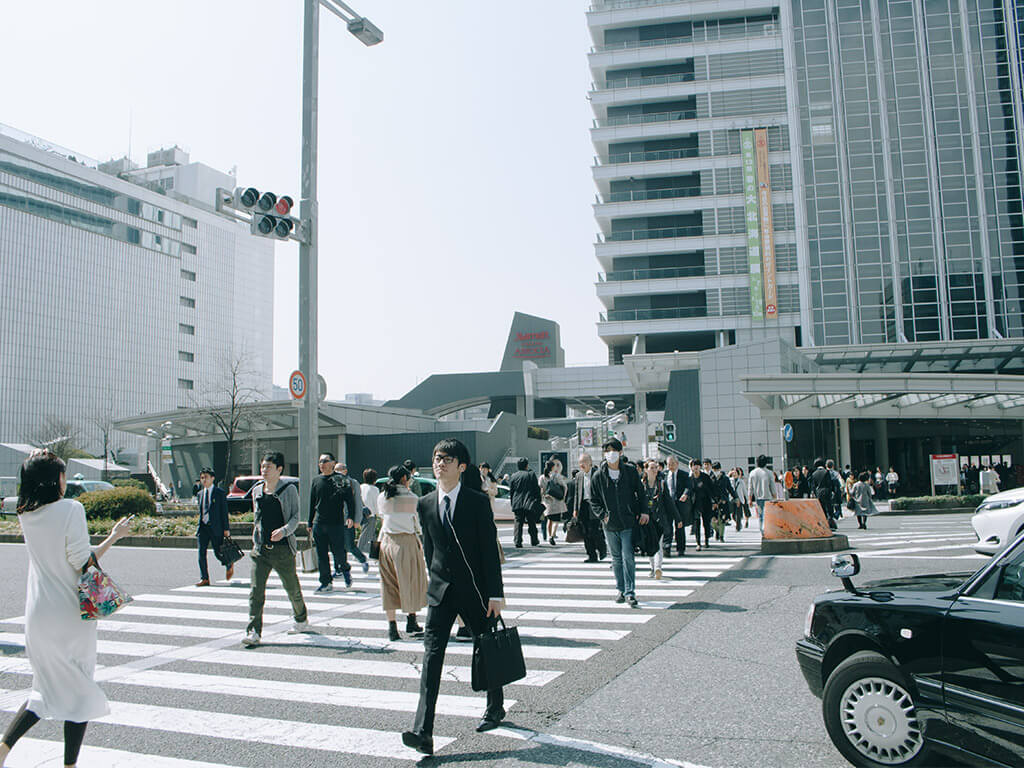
(911, 151)
(117, 300)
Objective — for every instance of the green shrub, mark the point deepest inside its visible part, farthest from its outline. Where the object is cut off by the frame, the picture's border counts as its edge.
(129, 482)
(937, 502)
(117, 503)
(537, 433)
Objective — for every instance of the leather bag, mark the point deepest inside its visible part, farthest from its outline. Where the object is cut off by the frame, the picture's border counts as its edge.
(574, 532)
(497, 658)
(229, 553)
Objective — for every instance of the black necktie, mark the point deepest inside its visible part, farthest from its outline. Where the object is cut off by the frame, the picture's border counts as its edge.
(446, 516)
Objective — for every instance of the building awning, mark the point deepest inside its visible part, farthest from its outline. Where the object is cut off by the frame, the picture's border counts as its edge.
(885, 395)
(969, 356)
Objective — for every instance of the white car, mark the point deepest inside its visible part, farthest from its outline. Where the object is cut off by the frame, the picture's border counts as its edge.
(9, 505)
(998, 521)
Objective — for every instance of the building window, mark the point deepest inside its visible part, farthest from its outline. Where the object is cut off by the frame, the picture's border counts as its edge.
(189, 222)
(188, 275)
(186, 248)
(188, 330)
(185, 384)
(187, 302)
(186, 357)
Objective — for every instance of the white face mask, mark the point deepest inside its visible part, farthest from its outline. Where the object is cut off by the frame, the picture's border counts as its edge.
(612, 457)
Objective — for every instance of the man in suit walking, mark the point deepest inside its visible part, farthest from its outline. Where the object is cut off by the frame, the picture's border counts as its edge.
(461, 550)
(578, 504)
(674, 508)
(214, 526)
(524, 489)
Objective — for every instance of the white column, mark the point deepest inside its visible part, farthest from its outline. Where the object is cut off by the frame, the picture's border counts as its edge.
(845, 454)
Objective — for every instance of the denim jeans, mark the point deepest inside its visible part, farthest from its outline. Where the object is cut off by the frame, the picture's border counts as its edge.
(760, 513)
(620, 544)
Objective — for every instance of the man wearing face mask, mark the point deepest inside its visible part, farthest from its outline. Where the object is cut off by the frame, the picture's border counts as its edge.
(615, 497)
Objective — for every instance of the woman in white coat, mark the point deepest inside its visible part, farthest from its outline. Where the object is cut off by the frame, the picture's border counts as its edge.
(61, 647)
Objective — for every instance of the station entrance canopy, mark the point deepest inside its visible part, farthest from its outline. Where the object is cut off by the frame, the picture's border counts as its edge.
(886, 395)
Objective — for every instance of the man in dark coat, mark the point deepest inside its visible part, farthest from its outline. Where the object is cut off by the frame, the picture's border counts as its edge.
(822, 488)
(677, 513)
(460, 545)
(524, 489)
(213, 526)
(578, 504)
(702, 493)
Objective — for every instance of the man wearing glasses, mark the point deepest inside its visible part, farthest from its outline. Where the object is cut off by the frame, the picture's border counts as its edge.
(461, 550)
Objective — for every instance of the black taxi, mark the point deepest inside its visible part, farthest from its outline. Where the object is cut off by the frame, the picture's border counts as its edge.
(915, 671)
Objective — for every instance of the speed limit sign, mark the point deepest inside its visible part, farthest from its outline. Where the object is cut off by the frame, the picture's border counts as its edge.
(297, 385)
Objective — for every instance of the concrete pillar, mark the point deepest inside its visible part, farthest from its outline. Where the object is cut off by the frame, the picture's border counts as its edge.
(845, 452)
(340, 451)
(882, 444)
(254, 456)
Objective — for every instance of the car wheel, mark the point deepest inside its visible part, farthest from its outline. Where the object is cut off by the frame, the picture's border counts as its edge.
(870, 713)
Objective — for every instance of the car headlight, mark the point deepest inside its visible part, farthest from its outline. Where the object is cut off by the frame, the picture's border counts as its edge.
(991, 506)
(808, 621)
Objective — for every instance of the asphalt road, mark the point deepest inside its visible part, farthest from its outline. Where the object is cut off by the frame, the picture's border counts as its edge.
(703, 673)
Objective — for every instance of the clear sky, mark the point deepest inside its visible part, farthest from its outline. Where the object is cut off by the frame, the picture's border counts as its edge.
(455, 183)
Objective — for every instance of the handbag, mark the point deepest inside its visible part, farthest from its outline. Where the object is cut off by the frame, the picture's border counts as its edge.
(574, 532)
(851, 505)
(497, 658)
(555, 489)
(306, 559)
(98, 595)
(375, 549)
(229, 553)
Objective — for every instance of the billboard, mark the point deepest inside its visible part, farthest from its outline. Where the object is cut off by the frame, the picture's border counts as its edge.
(753, 229)
(764, 201)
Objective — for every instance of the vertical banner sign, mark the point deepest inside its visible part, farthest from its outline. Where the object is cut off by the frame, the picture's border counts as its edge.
(764, 199)
(753, 232)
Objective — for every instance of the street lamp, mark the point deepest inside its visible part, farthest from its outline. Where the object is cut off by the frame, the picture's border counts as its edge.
(368, 34)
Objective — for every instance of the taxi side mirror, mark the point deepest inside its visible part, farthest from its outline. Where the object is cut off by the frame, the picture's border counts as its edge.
(845, 566)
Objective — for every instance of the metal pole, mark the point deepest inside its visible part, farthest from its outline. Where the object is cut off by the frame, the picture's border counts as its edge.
(309, 410)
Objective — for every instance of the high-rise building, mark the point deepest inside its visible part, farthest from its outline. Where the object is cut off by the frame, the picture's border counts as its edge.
(122, 292)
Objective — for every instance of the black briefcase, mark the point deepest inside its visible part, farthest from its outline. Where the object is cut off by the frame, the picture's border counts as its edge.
(497, 658)
(229, 553)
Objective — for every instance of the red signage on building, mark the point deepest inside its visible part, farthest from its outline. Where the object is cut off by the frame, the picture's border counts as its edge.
(532, 346)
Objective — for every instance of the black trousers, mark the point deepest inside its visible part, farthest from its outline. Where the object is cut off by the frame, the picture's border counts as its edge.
(680, 530)
(699, 517)
(330, 539)
(207, 538)
(440, 619)
(524, 516)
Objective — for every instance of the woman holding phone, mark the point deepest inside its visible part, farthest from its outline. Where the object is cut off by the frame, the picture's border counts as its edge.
(61, 647)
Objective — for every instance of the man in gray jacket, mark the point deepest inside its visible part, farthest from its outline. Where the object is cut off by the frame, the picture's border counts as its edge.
(275, 517)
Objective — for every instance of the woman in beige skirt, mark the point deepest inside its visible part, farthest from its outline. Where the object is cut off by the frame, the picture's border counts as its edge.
(403, 569)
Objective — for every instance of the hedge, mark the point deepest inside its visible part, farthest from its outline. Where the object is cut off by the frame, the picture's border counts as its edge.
(937, 502)
(129, 482)
(117, 503)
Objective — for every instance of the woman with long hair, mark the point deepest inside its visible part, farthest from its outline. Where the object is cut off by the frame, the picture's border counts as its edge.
(403, 569)
(60, 646)
(553, 487)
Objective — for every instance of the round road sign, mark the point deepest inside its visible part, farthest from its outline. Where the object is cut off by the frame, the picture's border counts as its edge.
(787, 433)
(297, 385)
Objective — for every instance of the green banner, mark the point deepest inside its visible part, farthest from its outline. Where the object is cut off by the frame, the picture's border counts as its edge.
(753, 224)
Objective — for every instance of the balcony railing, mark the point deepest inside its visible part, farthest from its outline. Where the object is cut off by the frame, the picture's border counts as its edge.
(626, 275)
(635, 82)
(644, 157)
(616, 5)
(633, 196)
(671, 313)
(654, 234)
(653, 117)
(700, 35)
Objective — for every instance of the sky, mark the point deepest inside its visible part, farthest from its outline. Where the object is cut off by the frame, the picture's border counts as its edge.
(454, 158)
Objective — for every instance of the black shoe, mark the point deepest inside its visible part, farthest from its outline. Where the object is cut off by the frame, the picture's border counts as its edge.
(411, 627)
(632, 602)
(621, 598)
(534, 542)
(602, 556)
(490, 722)
(464, 635)
(423, 744)
(393, 635)
(551, 541)
(519, 545)
(590, 560)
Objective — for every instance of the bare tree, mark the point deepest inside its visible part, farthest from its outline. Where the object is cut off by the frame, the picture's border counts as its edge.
(60, 436)
(225, 403)
(103, 419)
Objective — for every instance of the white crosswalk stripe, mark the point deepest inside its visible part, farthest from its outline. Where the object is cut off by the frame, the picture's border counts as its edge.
(169, 660)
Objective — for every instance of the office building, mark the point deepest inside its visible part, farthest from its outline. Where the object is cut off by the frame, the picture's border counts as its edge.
(121, 293)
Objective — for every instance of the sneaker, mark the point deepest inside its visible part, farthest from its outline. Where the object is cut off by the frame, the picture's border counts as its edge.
(299, 627)
(337, 571)
(632, 602)
(366, 567)
(251, 640)
(621, 598)
(348, 578)
(324, 588)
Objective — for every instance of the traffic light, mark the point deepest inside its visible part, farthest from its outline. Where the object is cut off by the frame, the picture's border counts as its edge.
(270, 213)
(670, 432)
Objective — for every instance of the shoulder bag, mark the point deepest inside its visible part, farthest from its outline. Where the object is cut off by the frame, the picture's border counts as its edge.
(98, 595)
(229, 553)
(305, 559)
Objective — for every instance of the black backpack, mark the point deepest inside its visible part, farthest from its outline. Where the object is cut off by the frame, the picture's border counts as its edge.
(555, 489)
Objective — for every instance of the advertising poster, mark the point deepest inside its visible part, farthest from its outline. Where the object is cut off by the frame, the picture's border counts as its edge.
(753, 229)
(764, 200)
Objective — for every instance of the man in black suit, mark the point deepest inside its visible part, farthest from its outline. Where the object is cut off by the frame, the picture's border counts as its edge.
(674, 509)
(524, 489)
(461, 550)
(578, 505)
(214, 526)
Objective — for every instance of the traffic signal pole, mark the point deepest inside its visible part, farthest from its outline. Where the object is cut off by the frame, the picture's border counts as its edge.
(309, 410)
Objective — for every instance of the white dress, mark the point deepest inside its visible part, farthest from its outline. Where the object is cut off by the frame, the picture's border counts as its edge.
(61, 647)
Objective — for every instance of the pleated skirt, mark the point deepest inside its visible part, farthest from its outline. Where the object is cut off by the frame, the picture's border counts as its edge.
(403, 573)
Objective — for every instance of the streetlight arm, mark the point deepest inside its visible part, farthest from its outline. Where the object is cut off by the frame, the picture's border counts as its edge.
(361, 27)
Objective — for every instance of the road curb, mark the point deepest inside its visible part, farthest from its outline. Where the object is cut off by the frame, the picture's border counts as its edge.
(834, 543)
(935, 511)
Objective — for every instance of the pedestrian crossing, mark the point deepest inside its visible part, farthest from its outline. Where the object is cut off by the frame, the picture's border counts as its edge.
(184, 690)
(946, 536)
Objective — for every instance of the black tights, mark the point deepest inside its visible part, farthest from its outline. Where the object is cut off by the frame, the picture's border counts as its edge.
(74, 733)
